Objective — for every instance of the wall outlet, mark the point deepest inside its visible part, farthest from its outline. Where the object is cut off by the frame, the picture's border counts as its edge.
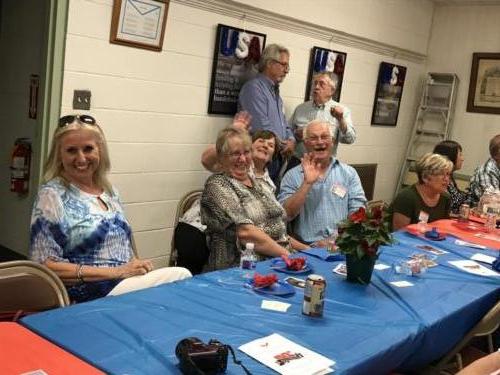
(81, 99)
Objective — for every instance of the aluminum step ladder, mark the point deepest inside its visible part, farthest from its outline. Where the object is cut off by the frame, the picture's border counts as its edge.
(433, 122)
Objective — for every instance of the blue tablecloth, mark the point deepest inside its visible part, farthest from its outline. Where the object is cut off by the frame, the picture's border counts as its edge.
(366, 329)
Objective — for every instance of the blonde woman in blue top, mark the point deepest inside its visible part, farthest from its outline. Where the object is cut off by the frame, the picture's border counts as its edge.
(78, 227)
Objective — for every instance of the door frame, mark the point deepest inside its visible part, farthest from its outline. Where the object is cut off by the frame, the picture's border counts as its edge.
(51, 90)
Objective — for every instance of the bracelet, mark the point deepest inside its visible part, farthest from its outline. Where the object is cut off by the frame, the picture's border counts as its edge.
(79, 273)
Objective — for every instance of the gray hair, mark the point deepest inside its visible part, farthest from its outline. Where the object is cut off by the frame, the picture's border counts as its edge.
(270, 53)
(494, 145)
(318, 122)
(222, 143)
(432, 164)
(331, 78)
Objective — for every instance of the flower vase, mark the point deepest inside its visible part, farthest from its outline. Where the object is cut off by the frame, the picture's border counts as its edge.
(359, 270)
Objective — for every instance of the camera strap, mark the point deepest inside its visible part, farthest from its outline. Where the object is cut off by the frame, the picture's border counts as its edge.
(237, 362)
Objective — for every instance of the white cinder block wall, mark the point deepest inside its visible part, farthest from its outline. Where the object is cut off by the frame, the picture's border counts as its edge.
(153, 106)
(458, 32)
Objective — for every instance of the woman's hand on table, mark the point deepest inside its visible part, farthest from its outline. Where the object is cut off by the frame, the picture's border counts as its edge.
(134, 268)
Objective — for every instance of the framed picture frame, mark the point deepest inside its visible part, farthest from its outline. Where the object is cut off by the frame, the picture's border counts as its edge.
(139, 23)
(388, 93)
(484, 85)
(326, 61)
(236, 57)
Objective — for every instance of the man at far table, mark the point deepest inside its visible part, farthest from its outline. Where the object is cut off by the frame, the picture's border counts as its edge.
(323, 107)
(261, 98)
(486, 176)
(322, 191)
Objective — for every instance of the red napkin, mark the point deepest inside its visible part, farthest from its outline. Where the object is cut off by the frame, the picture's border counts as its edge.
(261, 281)
(294, 264)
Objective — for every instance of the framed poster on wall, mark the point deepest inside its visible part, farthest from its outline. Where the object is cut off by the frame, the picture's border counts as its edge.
(139, 24)
(326, 61)
(484, 85)
(236, 56)
(390, 82)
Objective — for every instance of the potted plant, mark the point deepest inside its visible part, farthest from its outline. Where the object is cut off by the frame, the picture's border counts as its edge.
(360, 236)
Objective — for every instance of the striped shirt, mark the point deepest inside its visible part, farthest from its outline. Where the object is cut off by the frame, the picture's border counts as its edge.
(485, 176)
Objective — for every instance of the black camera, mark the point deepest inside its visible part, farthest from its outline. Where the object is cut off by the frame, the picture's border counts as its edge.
(196, 357)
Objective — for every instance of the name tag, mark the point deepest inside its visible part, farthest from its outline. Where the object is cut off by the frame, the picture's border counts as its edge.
(423, 216)
(339, 190)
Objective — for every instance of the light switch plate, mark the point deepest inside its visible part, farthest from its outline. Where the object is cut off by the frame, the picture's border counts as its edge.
(81, 99)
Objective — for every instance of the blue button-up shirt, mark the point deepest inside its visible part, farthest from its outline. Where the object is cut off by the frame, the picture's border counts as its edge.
(259, 98)
(325, 206)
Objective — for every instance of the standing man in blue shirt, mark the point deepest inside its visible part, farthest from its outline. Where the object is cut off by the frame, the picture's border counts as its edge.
(260, 97)
(322, 191)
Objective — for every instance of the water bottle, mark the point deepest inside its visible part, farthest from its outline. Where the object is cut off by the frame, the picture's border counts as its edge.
(248, 260)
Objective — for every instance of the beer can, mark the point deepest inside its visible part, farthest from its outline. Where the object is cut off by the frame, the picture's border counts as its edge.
(314, 296)
(464, 212)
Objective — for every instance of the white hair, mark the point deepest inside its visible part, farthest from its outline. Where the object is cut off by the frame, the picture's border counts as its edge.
(318, 122)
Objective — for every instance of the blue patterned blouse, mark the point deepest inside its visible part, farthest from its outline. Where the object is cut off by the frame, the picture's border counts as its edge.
(69, 225)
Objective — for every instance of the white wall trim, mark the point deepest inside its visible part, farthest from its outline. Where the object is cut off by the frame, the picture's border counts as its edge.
(264, 17)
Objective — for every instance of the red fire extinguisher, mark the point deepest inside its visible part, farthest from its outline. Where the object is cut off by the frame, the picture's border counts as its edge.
(20, 166)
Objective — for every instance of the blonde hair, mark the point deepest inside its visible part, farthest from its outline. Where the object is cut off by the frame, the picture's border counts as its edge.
(54, 167)
(222, 143)
(432, 164)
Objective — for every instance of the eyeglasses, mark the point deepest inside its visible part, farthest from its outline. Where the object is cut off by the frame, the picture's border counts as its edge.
(320, 83)
(323, 138)
(237, 154)
(442, 175)
(83, 119)
(285, 65)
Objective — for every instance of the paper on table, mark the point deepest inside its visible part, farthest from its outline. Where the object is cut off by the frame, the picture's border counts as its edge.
(287, 357)
(381, 266)
(473, 267)
(483, 258)
(492, 237)
(275, 305)
(401, 284)
(469, 244)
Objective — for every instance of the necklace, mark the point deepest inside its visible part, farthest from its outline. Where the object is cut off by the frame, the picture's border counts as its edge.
(430, 201)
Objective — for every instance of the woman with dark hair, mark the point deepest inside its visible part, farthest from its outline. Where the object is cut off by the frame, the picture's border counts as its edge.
(453, 151)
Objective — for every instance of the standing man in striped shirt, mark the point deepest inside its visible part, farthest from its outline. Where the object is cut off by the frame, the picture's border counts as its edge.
(322, 191)
(323, 107)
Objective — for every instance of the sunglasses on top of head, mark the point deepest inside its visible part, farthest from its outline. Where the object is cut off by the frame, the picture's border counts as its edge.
(82, 119)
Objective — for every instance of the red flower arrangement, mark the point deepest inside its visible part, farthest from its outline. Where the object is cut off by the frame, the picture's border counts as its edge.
(364, 231)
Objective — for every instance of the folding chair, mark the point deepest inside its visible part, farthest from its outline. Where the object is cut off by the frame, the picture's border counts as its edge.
(184, 204)
(486, 327)
(29, 287)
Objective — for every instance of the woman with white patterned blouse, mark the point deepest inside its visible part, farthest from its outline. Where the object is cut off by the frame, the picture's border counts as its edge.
(238, 208)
